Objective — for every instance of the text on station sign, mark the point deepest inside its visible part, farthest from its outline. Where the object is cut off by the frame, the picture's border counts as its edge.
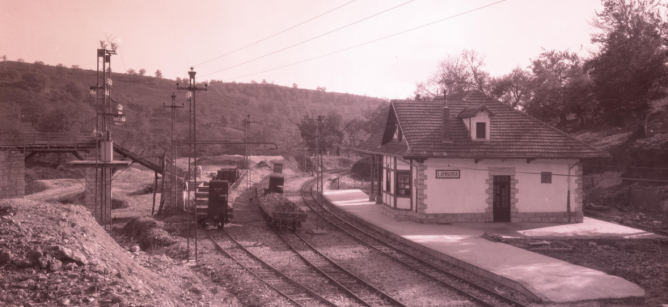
(447, 174)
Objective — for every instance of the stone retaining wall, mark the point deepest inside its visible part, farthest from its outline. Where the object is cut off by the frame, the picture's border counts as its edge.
(12, 174)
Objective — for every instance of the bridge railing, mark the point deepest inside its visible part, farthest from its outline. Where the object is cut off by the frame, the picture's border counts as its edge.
(47, 140)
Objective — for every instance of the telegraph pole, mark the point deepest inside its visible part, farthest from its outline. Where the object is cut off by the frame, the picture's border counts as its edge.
(318, 159)
(192, 88)
(247, 154)
(173, 146)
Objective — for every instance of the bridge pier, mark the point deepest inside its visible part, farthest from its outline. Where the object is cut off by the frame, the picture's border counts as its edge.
(12, 174)
(97, 190)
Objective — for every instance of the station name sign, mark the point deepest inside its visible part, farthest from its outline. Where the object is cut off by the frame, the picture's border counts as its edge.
(447, 174)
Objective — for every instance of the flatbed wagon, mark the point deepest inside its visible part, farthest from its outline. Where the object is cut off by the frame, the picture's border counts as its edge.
(281, 212)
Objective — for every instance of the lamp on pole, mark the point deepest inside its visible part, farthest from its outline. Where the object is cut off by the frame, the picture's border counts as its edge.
(192, 88)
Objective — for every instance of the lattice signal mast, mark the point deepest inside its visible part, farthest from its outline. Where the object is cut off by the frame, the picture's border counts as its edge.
(102, 92)
(192, 88)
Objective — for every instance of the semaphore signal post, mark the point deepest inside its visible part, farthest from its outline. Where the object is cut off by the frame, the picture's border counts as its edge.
(192, 88)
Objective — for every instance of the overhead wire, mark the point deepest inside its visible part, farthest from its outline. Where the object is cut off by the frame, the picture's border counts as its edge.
(310, 39)
(277, 33)
(366, 43)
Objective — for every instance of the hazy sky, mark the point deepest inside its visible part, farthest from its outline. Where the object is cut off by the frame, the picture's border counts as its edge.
(174, 35)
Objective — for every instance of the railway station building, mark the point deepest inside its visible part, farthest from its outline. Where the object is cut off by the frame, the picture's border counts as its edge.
(470, 158)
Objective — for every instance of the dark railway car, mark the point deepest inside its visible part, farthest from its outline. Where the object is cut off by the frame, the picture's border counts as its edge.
(276, 182)
(281, 212)
(229, 173)
(212, 203)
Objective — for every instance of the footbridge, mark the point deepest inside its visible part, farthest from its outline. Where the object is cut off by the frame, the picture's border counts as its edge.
(33, 143)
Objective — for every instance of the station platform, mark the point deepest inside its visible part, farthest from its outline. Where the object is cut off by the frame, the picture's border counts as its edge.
(543, 278)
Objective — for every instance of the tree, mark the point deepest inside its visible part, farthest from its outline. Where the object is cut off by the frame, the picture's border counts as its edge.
(20, 60)
(4, 58)
(75, 66)
(34, 81)
(142, 72)
(456, 74)
(629, 70)
(74, 90)
(560, 87)
(294, 85)
(331, 132)
(158, 74)
(10, 74)
(131, 72)
(513, 89)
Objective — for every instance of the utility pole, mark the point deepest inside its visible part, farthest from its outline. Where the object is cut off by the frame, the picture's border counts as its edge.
(318, 159)
(247, 154)
(173, 146)
(192, 88)
(190, 151)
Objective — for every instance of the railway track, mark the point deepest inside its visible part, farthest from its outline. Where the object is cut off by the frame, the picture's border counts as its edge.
(345, 282)
(363, 292)
(296, 293)
(471, 289)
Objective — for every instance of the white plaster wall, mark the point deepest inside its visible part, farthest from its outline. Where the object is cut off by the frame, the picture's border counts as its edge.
(469, 193)
(464, 195)
(534, 196)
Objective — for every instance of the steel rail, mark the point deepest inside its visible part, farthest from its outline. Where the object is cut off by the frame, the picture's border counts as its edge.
(338, 270)
(394, 251)
(282, 277)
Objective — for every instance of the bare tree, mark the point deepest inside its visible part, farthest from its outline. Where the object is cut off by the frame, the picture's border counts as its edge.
(457, 73)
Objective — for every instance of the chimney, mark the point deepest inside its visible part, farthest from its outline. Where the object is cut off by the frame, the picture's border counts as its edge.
(446, 119)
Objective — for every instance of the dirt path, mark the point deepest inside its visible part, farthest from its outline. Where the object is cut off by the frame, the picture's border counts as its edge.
(57, 188)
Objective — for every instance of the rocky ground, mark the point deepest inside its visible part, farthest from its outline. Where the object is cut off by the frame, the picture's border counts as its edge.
(54, 254)
(57, 255)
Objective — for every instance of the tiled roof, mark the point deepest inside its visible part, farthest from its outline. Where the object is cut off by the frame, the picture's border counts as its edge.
(393, 148)
(513, 134)
(473, 111)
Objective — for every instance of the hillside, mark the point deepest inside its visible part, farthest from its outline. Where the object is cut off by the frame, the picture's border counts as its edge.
(42, 98)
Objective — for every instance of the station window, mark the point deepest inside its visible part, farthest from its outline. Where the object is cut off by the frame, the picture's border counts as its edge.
(546, 177)
(480, 130)
(403, 183)
(388, 180)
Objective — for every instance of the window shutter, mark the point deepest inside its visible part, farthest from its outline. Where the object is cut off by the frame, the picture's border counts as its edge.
(546, 177)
